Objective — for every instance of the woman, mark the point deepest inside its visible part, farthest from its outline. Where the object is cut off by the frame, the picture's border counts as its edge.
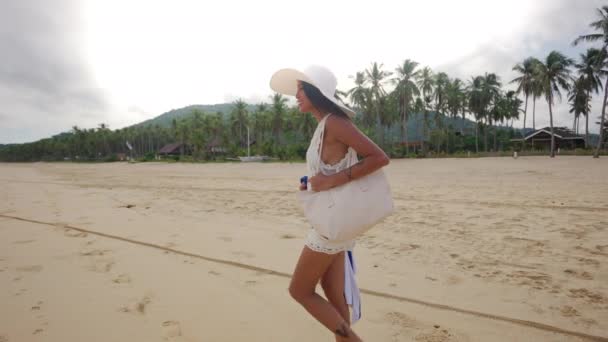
(341, 141)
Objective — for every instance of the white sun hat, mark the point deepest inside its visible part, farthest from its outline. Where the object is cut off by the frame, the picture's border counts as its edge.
(285, 82)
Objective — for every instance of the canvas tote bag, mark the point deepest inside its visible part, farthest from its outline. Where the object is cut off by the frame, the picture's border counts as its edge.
(347, 211)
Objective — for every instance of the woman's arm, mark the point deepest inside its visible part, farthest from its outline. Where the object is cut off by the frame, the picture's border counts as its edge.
(347, 133)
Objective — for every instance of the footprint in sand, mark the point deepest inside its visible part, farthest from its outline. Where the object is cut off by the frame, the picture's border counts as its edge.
(244, 254)
(95, 252)
(453, 280)
(590, 262)
(568, 311)
(102, 265)
(171, 330)
(141, 305)
(74, 233)
(3, 338)
(579, 274)
(30, 268)
(589, 296)
(22, 242)
(602, 248)
(423, 332)
(401, 320)
(436, 335)
(122, 279)
(408, 247)
(138, 306)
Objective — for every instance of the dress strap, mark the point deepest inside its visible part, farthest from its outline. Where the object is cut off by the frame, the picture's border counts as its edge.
(322, 136)
(316, 145)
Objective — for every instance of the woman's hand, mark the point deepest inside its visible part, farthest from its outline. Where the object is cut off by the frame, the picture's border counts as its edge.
(321, 182)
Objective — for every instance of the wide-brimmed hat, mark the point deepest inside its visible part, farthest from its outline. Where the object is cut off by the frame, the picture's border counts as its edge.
(285, 81)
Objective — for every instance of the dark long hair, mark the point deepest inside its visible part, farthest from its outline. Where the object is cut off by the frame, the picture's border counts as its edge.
(321, 102)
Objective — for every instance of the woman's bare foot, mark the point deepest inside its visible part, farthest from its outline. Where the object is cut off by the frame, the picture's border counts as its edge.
(345, 334)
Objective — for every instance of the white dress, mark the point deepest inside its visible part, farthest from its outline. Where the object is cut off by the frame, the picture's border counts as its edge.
(319, 243)
(315, 164)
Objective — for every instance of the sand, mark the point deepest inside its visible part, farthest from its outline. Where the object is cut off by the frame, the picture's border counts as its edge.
(493, 249)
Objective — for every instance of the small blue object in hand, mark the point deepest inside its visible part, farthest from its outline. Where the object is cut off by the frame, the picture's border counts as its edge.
(304, 180)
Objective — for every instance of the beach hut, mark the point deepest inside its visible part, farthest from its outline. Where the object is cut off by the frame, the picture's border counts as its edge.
(215, 147)
(175, 149)
(564, 139)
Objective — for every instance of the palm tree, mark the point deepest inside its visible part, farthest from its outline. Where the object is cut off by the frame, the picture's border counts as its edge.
(514, 106)
(425, 83)
(589, 74)
(377, 77)
(536, 93)
(103, 130)
(553, 74)
(257, 120)
(498, 113)
(490, 89)
(357, 93)
(455, 103)
(578, 98)
(525, 81)
(419, 108)
(476, 104)
(278, 114)
(239, 118)
(406, 89)
(601, 34)
(441, 81)
(360, 97)
(454, 97)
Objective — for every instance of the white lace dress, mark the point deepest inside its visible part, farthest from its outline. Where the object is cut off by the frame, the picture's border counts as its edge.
(315, 164)
(319, 243)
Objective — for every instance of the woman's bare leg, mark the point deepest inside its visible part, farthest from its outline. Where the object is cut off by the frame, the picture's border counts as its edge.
(310, 269)
(333, 286)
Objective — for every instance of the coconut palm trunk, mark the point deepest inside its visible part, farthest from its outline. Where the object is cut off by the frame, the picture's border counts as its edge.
(587, 121)
(405, 137)
(477, 137)
(596, 154)
(552, 135)
(485, 135)
(525, 114)
(534, 113)
(463, 121)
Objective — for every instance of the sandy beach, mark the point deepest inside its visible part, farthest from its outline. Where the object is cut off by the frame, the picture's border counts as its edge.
(492, 249)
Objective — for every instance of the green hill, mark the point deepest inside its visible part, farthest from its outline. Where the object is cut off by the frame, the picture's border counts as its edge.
(164, 120)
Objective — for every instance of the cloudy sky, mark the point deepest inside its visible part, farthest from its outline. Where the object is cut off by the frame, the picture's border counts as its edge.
(85, 62)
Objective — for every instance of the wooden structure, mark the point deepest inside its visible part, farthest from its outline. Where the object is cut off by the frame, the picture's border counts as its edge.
(564, 139)
(174, 149)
